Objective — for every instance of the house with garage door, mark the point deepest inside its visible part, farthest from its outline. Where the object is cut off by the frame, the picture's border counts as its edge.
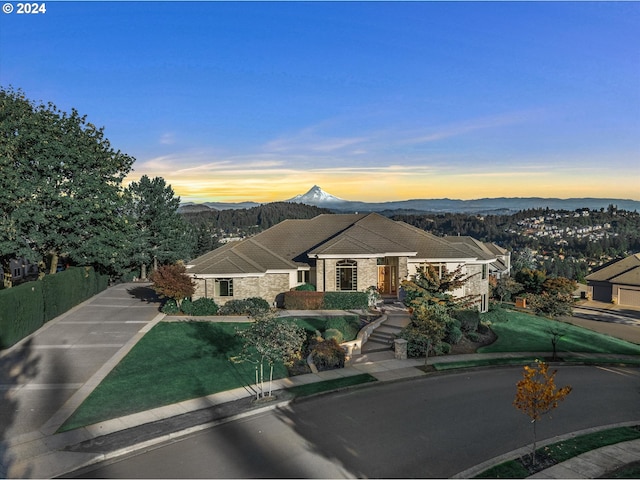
(338, 253)
(617, 283)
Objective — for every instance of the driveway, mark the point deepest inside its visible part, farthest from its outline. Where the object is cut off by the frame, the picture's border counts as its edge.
(614, 320)
(46, 376)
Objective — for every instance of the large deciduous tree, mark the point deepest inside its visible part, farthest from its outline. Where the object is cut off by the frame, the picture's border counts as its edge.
(60, 188)
(162, 235)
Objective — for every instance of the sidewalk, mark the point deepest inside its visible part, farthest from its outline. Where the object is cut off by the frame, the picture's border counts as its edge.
(32, 449)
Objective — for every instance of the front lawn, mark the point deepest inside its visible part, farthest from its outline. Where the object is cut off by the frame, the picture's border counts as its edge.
(175, 361)
(523, 332)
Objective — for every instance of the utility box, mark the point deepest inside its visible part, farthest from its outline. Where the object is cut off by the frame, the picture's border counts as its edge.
(521, 302)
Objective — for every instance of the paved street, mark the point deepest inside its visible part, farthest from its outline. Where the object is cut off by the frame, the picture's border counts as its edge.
(430, 427)
(43, 379)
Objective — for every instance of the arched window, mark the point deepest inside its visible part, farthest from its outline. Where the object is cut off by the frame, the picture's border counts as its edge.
(347, 275)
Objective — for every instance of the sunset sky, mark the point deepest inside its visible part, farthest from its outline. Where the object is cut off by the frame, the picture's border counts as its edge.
(235, 101)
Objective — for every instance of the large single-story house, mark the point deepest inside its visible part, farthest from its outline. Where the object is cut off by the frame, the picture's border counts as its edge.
(341, 252)
(617, 283)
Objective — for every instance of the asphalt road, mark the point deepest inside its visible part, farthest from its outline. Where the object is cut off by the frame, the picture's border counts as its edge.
(432, 427)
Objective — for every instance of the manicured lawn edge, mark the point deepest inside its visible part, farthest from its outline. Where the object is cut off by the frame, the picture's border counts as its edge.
(488, 362)
(330, 385)
(564, 450)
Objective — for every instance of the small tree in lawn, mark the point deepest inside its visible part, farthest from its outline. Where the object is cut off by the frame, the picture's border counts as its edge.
(268, 340)
(553, 305)
(172, 281)
(537, 395)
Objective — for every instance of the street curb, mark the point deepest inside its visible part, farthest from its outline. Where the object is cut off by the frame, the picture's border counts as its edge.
(175, 436)
(514, 454)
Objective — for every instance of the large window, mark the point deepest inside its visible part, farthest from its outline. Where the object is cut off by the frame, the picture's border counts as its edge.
(485, 271)
(224, 287)
(347, 275)
(303, 276)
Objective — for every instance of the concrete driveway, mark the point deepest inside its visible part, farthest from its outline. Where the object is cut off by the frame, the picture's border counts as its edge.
(615, 320)
(47, 375)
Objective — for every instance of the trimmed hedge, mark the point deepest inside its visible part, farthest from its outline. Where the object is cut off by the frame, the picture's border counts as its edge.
(303, 300)
(345, 300)
(21, 312)
(25, 308)
(248, 306)
(469, 319)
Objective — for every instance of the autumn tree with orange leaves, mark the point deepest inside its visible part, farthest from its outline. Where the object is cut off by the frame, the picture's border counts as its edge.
(538, 395)
(172, 281)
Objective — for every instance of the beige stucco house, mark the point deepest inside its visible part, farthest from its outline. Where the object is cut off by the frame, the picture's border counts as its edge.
(342, 252)
(617, 283)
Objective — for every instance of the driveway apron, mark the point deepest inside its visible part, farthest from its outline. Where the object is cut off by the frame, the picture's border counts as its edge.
(47, 375)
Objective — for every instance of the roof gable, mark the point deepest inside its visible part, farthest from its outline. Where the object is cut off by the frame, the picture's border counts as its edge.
(626, 271)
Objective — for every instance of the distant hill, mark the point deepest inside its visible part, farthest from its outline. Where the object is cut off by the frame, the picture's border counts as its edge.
(483, 206)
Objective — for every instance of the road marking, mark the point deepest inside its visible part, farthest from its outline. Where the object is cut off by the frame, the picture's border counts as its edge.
(97, 322)
(94, 345)
(40, 386)
(619, 371)
(118, 306)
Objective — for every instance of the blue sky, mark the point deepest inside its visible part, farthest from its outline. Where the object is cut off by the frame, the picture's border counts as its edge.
(372, 101)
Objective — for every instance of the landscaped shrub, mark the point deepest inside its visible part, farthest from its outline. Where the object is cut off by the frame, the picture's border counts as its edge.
(442, 348)
(257, 305)
(469, 319)
(170, 307)
(333, 334)
(415, 348)
(345, 300)
(328, 355)
(302, 300)
(454, 335)
(348, 326)
(473, 336)
(187, 306)
(204, 306)
(305, 287)
(247, 306)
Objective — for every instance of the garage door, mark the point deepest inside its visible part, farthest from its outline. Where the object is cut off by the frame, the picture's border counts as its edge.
(602, 293)
(629, 297)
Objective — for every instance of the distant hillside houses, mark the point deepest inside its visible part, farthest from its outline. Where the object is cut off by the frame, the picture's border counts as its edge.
(546, 226)
(342, 253)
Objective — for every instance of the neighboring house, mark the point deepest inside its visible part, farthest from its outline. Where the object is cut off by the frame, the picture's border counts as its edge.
(345, 252)
(617, 283)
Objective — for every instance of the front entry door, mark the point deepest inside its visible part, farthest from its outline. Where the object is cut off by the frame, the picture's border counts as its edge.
(387, 279)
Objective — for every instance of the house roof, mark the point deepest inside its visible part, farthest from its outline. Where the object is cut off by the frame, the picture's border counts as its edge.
(289, 244)
(625, 271)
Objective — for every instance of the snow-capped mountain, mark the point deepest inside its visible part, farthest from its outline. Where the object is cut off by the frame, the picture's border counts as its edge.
(318, 197)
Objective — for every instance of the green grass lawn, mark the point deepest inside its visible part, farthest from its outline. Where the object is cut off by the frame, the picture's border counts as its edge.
(522, 332)
(175, 361)
(562, 451)
(178, 361)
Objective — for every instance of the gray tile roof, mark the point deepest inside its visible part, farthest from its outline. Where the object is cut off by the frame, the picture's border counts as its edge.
(625, 271)
(290, 243)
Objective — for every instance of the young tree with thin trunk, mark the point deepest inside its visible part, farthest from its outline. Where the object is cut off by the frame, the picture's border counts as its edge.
(537, 395)
(268, 340)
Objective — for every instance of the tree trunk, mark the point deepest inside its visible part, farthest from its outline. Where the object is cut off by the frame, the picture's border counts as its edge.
(270, 379)
(143, 272)
(54, 264)
(533, 453)
(426, 353)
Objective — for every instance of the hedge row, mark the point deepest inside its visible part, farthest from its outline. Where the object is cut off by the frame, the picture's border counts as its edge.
(306, 300)
(26, 307)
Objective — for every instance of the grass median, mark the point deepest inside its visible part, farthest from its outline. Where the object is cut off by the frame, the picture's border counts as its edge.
(562, 451)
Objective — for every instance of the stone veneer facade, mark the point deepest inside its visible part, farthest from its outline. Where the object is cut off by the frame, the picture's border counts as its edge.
(268, 286)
